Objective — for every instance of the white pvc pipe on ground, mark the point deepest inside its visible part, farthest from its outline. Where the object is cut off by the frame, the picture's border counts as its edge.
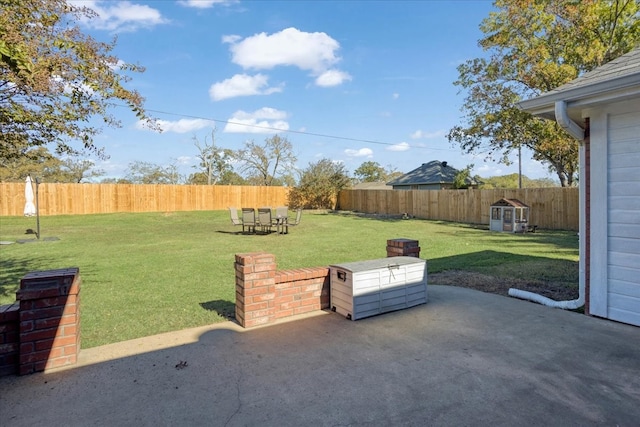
(530, 296)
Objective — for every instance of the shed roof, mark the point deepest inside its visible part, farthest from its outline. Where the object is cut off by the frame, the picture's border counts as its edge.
(616, 80)
(510, 202)
(434, 172)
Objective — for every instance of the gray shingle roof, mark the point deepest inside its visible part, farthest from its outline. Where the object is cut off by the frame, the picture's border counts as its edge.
(618, 79)
(625, 65)
(434, 172)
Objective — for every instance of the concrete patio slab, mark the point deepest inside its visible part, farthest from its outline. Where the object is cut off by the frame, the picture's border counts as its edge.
(465, 358)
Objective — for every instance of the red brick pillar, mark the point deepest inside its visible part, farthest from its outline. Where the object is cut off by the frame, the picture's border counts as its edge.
(255, 288)
(49, 319)
(403, 247)
(9, 339)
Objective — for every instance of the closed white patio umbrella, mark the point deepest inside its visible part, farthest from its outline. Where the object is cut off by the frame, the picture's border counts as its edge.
(29, 207)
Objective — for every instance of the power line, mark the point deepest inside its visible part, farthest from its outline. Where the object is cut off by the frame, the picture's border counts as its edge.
(320, 135)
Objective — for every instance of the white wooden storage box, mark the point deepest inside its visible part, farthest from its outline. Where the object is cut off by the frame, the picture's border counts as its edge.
(366, 288)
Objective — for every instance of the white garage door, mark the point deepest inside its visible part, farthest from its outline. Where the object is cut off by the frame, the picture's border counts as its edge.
(623, 246)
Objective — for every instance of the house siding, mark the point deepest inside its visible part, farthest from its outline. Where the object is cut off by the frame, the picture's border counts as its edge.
(614, 209)
(623, 228)
(608, 100)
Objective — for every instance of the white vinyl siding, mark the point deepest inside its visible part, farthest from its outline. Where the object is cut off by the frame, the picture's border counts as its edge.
(623, 217)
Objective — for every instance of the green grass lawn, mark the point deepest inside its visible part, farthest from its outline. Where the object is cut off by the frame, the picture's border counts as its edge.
(147, 273)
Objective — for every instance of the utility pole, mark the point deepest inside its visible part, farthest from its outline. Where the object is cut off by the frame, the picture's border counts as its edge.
(519, 166)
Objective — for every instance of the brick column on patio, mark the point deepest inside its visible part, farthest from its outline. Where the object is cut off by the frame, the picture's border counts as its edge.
(255, 288)
(49, 319)
(9, 338)
(403, 247)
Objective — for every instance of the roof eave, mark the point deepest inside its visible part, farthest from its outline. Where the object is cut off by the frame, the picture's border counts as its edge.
(583, 97)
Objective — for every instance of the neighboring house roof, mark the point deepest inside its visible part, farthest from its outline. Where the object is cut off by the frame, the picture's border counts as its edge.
(434, 172)
(372, 186)
(616, 80)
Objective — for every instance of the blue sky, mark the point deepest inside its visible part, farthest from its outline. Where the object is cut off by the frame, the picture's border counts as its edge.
(351, 81)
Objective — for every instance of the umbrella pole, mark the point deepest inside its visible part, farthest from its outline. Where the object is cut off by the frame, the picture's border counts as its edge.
(37, 210)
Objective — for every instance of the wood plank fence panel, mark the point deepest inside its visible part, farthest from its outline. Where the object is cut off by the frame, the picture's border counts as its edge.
(550, 208)
(79, 199)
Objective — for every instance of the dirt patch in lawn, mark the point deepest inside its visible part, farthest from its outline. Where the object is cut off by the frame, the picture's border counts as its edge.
(501, 285)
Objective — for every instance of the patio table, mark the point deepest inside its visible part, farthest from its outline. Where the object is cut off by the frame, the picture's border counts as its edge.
(281, 224)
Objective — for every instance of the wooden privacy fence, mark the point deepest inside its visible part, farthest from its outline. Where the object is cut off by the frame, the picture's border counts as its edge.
(77, 199)
(551, 208)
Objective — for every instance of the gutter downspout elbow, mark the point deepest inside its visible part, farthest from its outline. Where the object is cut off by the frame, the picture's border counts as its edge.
(565, 122)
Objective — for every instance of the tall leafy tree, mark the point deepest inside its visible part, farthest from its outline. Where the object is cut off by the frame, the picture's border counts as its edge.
(512, 181)
(54, 79)
(265, 164)
(38, 162)
(319, 185)
(78, 170)
(370, 171)
(232, 178)
(463, 179)
(533, 47)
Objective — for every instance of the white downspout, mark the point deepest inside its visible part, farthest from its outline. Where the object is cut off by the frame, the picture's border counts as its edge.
(577, 132)
(566, 123)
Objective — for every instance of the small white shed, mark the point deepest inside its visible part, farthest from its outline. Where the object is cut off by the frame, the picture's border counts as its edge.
(509, 215)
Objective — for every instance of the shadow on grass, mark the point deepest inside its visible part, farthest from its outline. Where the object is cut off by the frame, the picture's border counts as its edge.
(367, 216)
(13, 270)
(224, 308)
(509, 264)
(246, 233)
(564, 239)
(230, 232)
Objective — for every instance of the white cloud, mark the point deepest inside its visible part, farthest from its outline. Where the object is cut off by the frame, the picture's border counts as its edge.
(403, 146)
(204, 4)
(242, 85)
(184, 160)
(264, 120)
(122, 16)
(332, 78)
(231, 39)
(181, 126)
(420, 134)
(314, 52)
(362, 152)
(395, 96)
(307, 51)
